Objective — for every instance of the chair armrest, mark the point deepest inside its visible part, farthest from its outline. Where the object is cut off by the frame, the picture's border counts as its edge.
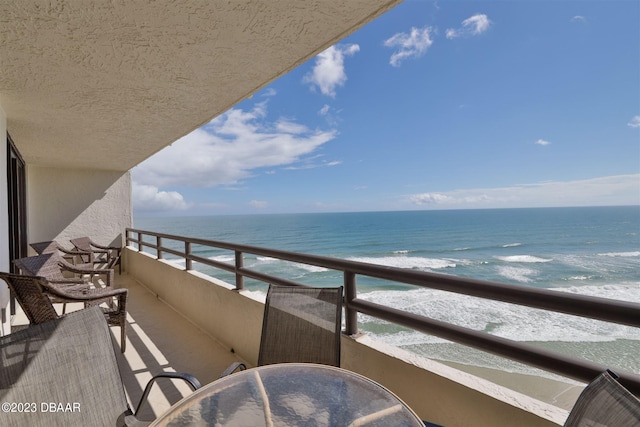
(68, 281)
(87, 294)
(232, 368)
(96, 255)
(188, 378)
(108, 272)
(107, 248)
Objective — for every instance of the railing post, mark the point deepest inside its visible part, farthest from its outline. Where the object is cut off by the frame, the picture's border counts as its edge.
(187, 255)
(351, 315)
(139, 242)
(239, 265)
(159, 246)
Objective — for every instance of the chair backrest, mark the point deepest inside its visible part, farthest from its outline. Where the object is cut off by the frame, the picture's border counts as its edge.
(44, 247)
(68, 368)
(301, 325)
(82, 243)
(46, 265)
(605, 402)
(29, 293)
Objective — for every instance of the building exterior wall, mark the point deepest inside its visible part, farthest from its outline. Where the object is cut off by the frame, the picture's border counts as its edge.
(4, 220)
(68, 203)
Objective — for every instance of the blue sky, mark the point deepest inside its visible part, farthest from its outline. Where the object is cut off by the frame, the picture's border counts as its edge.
(434, 105)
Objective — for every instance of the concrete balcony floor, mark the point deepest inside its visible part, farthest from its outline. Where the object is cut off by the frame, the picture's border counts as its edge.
(158, 339)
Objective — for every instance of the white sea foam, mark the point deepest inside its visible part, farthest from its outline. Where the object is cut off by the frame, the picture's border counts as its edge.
(502, 319)
(401, 252)
(312, 268)
(629, 291)
(512, 245)
(223, 258)
(621, 254)
(518, 274)
(263, 261)
(267, 260)
(522, 258)
(580, 278)
(419, 263)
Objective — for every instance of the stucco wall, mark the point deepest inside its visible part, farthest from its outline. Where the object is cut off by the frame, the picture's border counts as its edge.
(68, 203)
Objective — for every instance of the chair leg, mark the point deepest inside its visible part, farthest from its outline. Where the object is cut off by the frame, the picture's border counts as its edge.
(123, 339)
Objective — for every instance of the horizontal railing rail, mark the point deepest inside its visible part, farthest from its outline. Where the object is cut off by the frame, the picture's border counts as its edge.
(615, 311)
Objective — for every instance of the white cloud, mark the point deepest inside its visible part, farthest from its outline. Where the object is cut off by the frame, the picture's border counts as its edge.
(324, 110)
(634, 122)
(229, 149)
(542, 142)
(411, 45)
(328, 72)
(258, 204)
(286, 126)
(310, 164)
(473, 26)
(150, 198)
(579, 18)
(604, 191)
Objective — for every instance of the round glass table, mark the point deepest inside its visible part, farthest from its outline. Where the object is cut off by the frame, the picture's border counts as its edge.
(291, 394)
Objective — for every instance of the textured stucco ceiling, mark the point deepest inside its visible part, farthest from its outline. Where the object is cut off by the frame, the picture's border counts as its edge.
(105, 84)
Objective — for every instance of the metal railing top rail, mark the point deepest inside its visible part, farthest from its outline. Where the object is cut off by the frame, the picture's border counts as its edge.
(621, 312)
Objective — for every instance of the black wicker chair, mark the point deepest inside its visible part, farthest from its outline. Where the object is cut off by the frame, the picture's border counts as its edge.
(34, 296)
(106, 256)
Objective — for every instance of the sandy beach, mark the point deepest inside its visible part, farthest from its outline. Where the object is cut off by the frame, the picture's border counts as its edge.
(557, 393)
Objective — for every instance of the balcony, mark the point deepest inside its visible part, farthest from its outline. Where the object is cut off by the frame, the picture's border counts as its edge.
(159, 339)
(182, 320)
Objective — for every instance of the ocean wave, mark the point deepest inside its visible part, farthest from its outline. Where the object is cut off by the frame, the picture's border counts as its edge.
(223, 258)
(580, 278)
(519, 274)
(267, 260)
(312, 268)
(511, 245)
(621, 254)
(629, 291)
(401, 252)
(501, 319)
(522, 258)
(419, 263)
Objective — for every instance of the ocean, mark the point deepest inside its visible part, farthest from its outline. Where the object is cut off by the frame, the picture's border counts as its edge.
(584, 250)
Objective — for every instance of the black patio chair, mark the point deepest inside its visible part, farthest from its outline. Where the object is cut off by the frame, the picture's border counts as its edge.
(605, 402)
(301, 325)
